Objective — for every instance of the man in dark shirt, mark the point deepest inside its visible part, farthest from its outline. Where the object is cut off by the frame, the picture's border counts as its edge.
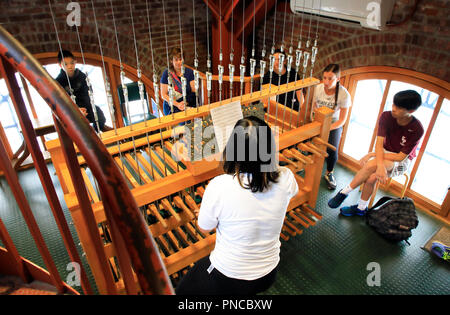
(280, 78)
(398, 136)
(80, 89)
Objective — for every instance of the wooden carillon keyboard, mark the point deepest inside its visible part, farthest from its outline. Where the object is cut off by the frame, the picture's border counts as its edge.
(168, 190)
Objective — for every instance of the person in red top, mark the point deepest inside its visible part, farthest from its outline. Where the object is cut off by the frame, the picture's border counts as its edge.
(398, 136)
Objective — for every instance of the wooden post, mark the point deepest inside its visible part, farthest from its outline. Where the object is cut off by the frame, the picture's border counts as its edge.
(313, 175)
(92, 246)
(16, 261)
(22, 202)
(8, 73)
(445, 207)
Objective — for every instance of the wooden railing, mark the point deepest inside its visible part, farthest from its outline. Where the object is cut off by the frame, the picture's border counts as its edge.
(135, 247)
(121, 209)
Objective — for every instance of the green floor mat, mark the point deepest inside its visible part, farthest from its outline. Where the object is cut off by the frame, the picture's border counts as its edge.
(336, 256)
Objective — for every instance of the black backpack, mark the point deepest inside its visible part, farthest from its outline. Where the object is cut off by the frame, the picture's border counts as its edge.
(393, 218)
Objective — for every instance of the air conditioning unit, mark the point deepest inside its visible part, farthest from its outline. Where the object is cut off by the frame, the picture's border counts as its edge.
(369, 13)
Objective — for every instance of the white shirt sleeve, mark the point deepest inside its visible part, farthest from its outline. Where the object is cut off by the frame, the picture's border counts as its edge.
(346, 100)
(292, 186)
(210, 207)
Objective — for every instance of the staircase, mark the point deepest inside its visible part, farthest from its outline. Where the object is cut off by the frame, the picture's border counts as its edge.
(13, 285)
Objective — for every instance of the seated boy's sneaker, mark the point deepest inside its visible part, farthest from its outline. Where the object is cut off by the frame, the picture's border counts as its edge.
(331, 181)
(337, 200)
(441, 250)
(352, 210)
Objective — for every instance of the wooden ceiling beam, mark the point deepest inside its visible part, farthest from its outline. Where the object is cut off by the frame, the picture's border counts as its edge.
(230, 10)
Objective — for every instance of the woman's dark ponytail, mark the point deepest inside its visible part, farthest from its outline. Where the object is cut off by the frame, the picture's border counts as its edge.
(333, 67)
(336, 94)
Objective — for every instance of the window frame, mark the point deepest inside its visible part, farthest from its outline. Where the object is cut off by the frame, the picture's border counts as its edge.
(350, 78)
(112, 69)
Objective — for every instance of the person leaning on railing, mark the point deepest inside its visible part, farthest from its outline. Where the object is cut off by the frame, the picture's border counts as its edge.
(174, 71)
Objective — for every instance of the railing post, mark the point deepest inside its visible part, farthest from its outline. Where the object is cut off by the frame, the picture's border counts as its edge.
(16, 189)
(100, 267)
(313, 175)
(8, 73)
(19, 266)
(142, 248)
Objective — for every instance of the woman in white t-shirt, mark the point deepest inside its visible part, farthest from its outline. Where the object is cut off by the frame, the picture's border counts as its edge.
(247, 207)
(331, 94)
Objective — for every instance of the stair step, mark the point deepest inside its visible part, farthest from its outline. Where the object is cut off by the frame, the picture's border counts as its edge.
(13, 285)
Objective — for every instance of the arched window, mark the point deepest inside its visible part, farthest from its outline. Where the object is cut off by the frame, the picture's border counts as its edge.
(94, 73)
(10, 130)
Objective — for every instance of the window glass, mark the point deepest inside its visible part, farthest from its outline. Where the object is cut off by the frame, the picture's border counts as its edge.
(431, 179)
(95, 75)
(432, 175)
(366, 105)
(8, 118)
(423, 113)
(137, 110)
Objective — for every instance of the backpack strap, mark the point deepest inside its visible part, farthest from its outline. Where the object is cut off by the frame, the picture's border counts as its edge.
(381, 201)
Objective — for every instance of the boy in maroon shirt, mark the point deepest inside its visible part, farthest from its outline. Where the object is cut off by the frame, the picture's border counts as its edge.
(398, 136)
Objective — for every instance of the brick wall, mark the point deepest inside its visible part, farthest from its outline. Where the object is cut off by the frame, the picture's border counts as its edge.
(421, 43)
(31, 23)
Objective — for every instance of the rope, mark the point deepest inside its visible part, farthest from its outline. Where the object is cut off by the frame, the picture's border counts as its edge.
(122, 73)
(242, 66)
(252, 59)
(94, 109)
(121, 69)
(262, 62)
(289, 65)
(183, 78)
(220, 67)
(196, 74)
(155, 84)
(72, 96)
(280, 67)
(169, 79)
(298, 57)
(208, 61)
(231, 65)
(155, 77)
(271, 57)
(306, 56)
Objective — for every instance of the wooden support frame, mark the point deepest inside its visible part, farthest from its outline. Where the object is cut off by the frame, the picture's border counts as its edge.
(222, 30)
(152, 193)
(7, 71)
(147, 264)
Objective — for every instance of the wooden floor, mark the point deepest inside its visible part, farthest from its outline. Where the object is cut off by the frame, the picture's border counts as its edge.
(329, 258)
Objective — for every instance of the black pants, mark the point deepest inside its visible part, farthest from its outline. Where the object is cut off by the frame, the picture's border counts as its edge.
(101, 119)
(334, 138)
(199, 282)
